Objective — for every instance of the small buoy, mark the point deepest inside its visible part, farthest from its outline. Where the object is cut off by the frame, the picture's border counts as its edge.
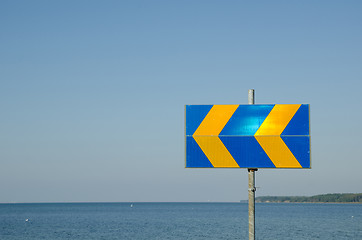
(131, 205)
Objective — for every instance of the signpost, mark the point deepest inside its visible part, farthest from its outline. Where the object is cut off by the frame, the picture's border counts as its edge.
(248, 136)
(251, 185)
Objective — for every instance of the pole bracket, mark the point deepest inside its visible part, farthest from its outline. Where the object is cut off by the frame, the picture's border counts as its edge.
(252, 189)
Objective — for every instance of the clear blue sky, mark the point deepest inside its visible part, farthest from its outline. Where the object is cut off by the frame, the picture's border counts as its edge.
(92, 94)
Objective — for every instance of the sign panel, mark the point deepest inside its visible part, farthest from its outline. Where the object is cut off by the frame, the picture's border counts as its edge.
(247, 136)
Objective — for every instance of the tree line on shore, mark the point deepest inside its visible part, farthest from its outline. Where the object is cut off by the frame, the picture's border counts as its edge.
(325, 198)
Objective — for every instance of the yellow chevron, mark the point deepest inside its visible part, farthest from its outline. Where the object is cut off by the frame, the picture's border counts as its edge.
(216, 151)
(268, 136)
(278, 152)
(216, 120)
(206, 136)
(277, 120)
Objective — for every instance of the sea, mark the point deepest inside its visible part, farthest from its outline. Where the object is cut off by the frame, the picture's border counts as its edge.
(178, 221)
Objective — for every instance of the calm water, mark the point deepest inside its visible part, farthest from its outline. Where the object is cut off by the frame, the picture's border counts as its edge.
(178, 221)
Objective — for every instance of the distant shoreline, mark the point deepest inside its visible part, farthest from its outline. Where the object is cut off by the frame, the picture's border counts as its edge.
(323, 198)
(314, 202)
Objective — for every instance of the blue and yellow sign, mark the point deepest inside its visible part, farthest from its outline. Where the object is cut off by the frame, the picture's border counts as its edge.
(247, 136)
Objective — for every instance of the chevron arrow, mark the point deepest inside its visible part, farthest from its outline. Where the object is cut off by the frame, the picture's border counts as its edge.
(268, 136)
(206, 136)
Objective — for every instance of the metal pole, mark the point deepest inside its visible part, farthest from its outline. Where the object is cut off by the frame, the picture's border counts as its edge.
(251, 96)
(251, 175)
(251, 203)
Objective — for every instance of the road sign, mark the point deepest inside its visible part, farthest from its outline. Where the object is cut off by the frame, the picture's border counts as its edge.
(247, 136)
